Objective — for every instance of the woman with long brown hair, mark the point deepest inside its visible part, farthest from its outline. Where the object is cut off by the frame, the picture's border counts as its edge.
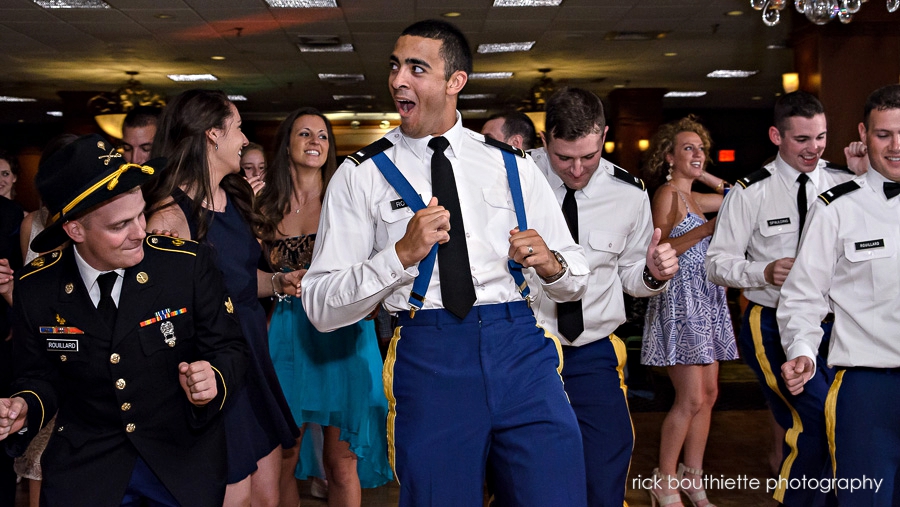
(331, 379)
(202, 197)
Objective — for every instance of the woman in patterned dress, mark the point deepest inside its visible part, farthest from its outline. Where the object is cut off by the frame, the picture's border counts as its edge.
(687, 328)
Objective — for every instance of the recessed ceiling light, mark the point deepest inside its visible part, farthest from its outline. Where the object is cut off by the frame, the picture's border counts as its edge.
(353, 97)
(777, 45)
(685, 94)
(342, 77)
(505, 47)
(237, 98)
(302, 3)
(731, 73)
(476, 96)
(72, 4)
(55, 113)
(526, 3)
(192, 77)
(671, 53)
(451, 14)
(618, 86)
(756, 97)
(164, 16)
(490, 75)
(734, 13)
(217, 57)
(475, 111)
(339, 48)
(5, 98)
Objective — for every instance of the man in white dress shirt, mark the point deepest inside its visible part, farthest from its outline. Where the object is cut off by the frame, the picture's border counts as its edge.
(468, 376)
(613, 224)
(753, 248)
(848, 264)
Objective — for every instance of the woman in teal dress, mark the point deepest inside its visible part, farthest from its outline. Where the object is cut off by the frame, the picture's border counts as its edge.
(332, 379)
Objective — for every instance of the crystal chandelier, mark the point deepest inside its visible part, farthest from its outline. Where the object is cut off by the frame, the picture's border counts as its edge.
(817, 11)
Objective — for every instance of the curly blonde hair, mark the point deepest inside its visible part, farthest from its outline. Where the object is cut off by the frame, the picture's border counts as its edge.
(663, 143)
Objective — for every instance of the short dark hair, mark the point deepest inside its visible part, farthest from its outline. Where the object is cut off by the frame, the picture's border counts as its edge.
(517, 123)
(794, 104)
(573, 113)
(454, 46)
(882, 99)
(142, 116)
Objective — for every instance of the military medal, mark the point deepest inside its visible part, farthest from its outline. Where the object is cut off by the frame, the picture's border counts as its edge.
(168, 331)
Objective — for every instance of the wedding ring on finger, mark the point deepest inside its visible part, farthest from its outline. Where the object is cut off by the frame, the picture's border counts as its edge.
(530, 250)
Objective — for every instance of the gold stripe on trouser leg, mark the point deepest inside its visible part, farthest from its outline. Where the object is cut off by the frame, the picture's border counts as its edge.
(794, 432)
(622, 357)
(559, 353)
(387, 378)
(831, 415)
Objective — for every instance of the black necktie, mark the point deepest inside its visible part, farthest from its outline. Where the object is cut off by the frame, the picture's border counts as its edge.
(106, 306)
(569, 316)
(891, 189)
(801, 200)
(457, 291)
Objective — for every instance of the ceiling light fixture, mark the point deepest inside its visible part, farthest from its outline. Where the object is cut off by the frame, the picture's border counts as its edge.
(342, 77)
(301, 4)
(109, 108)
(819, 12)
(728, 74)
(671, 53)
(734, 13)
(340, 48)
(505, 47)
(684, 94)
(164, 16)
(451, 14)
(57, 114)
(490, 75)
(527, 3)
(191, 77)
(72, 4)
(353, 97)
(6, 98)
(217, 57)
(476, 96)
(475, 111)
(237, 98)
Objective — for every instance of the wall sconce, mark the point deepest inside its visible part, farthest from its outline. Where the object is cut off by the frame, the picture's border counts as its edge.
(790, 81)
(609, 146)
(643, 144)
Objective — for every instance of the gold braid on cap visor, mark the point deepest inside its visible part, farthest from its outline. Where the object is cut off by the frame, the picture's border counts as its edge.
(110, 181)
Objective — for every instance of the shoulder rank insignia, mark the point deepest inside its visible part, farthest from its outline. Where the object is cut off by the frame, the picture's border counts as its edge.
(833, 193)
(754, 177)
(370, 151)
(838, 168)
(41, 263)
(170, 244)
(229, 306)
(627, 177)
(490, 141)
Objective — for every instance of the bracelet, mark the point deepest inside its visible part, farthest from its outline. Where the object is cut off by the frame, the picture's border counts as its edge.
(650, 281)
(720, 186)
(281, 297)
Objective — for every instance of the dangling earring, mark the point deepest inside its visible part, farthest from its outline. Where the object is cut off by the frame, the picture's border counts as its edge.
(217, 149)
(669, 176)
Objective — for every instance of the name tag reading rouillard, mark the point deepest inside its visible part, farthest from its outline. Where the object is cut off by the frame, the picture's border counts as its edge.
(779, 221)
(62, 345)
(872, 243)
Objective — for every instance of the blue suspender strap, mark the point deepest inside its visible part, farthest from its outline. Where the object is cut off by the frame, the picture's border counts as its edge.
(408, 194)
(515, 188)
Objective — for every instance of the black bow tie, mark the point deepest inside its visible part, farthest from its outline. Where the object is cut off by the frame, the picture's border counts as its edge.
(891, 189)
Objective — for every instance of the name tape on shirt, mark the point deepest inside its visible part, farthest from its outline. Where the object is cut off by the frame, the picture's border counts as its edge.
(58, 344)
(778, 221)
(872, 243)
(400, 204)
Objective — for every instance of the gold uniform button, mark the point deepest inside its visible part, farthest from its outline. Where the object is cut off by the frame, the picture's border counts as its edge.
(63, 358)
(130, 428)
(120, 384)
(126, 407)
(115, 358)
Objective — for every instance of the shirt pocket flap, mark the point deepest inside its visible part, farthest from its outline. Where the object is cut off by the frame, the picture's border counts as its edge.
(394, 210)
(606, 241)
(497, 198)
(773, 226)
(868, 249)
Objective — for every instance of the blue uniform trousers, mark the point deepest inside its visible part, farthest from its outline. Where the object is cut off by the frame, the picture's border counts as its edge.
(802, 416)
(595, 383)
(863, 419)
(144, 488)
(487, 386)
